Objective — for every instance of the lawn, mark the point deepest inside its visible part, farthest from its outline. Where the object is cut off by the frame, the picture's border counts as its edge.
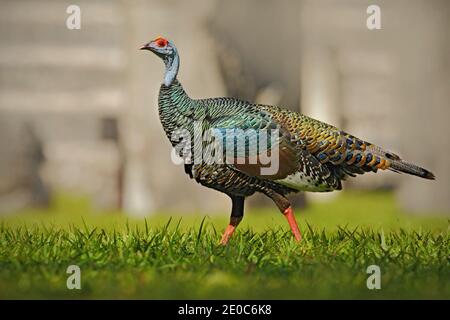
(177, 256)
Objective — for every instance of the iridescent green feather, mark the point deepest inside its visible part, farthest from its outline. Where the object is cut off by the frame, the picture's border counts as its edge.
(319, 154)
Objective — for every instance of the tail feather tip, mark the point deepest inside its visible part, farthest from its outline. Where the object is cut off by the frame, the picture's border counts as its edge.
(428, 175)
(409, 168)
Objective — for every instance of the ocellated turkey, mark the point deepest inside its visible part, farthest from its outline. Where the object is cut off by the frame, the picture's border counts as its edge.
(313, 156)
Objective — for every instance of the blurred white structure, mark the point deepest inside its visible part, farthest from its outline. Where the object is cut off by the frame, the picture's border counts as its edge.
(90, 96)
(390, 86)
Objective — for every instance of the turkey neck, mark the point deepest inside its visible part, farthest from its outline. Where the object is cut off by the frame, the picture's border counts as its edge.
(176, 109)
(172, 64)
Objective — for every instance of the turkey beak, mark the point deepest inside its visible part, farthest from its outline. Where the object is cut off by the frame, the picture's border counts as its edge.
(146, 46)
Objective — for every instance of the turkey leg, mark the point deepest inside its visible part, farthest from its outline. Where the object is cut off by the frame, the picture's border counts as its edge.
(237, 212)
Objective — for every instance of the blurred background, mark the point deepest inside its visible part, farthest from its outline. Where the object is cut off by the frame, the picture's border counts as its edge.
(78, 108)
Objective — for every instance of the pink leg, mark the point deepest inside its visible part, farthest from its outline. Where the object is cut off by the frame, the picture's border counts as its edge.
(234, 221)
(289, 214)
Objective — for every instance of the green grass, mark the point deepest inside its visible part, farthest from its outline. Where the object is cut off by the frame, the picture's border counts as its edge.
(179, 257)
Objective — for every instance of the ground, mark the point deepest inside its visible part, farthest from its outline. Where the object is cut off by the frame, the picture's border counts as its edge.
(171, 255)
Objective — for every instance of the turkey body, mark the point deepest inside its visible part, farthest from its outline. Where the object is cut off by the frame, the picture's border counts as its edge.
(322, 155)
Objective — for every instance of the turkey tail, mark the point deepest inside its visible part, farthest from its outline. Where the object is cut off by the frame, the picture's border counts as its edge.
(409, 168)
(394, 163)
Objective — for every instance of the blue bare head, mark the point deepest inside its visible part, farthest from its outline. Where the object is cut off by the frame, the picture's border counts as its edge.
(167, 51)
